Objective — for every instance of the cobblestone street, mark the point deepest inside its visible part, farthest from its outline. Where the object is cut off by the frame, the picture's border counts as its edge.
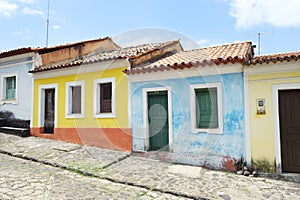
(22, 179)
(36, 168)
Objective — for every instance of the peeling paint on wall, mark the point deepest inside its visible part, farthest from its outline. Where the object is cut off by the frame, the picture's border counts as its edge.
(196, 148)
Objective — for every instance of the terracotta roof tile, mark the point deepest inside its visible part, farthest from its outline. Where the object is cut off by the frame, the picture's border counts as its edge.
(15, 52)
(47, 49)
(58, 47)
(223, 54)
(121, 53)
(280, 57)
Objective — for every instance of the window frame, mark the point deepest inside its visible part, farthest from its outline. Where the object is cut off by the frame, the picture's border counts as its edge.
(97, 83)
(193, 101)
(68, 111)
(4, 99)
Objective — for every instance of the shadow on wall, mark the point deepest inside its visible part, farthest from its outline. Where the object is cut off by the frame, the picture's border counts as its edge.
(8, 119)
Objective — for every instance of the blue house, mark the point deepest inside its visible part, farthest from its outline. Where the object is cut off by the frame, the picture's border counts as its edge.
(189, 107)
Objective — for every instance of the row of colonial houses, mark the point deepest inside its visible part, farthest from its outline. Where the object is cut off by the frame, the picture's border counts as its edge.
(208, 106)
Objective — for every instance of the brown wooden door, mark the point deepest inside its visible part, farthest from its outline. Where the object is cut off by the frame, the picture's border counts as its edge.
(49, 110)
(289, 115)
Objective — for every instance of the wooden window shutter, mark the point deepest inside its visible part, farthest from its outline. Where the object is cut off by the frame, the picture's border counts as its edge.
(206, 108)
(11, 87)
(105, 97)
(76, 99)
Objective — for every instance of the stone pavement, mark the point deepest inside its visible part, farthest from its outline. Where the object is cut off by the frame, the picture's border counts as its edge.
(23, 179)
(124, 170)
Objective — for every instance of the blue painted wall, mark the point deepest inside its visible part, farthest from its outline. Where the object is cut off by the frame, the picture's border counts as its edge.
(21, 109)
(196, 148)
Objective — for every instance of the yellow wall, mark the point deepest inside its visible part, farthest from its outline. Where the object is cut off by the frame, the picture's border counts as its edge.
(88, 121)
(262, 126)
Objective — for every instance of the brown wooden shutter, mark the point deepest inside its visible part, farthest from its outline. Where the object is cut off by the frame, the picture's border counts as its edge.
(105, 97)
(76, 99)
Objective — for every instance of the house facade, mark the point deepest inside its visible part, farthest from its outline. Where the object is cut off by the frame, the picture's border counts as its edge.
(16, 83)
(16, 91)
(273, 95)
(85, 101)
(189, 107)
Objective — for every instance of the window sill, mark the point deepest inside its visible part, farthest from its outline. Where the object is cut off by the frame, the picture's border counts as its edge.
(217, 131)
(104, 115)
(73, 116)
(9, 101)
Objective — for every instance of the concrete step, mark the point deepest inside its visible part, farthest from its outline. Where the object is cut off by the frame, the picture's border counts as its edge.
(22, 132)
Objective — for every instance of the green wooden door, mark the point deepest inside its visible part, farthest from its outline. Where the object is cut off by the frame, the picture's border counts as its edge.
(158, 120)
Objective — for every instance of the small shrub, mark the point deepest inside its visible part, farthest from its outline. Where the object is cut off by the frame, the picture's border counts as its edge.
(7, 115)
(264, 165)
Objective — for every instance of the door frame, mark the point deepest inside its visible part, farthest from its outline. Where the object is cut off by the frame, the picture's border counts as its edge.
(275, 93)
(41, 103)
(145, 115)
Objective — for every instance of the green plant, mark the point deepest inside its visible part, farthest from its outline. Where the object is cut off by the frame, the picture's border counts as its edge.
(264, 165)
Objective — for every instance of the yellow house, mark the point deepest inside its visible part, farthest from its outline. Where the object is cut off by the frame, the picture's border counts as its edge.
(272, 91)
(86, 101)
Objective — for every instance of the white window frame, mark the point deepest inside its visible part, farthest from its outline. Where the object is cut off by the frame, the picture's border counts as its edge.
(97, 83)
(275, 95)
(41, 103)
(3, 92)
(68, 113)
(194, 127)
(145, 115)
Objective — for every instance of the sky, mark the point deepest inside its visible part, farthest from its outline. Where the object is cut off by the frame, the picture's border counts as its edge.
(197, 23)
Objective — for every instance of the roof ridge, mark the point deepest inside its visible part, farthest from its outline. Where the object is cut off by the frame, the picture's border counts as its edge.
(217, 46)
(150, 43)
(160, 44)
(277, 54)
(17, 51)
(73, 43)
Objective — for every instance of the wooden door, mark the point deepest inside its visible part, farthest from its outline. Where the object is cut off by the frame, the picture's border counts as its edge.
(158, 120)
(289, 115)
(49, 110)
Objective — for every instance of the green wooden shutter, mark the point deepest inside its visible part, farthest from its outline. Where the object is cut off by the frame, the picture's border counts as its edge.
(207, 108)
(11, 87)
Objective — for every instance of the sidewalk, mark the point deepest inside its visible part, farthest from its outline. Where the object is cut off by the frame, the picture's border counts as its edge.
(121, 167)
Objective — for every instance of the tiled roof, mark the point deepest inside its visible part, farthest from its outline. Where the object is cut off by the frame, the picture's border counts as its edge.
(223, 54)
(121, 53)
(16, 52)
(58, 47)
(273, 58)
(47, 49)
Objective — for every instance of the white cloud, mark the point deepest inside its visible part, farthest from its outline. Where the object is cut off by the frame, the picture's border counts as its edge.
(56, 27)
(7, 8)
(27, 31)
(26, 1)
(202, 42)
(30, 11)
(279, 13)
